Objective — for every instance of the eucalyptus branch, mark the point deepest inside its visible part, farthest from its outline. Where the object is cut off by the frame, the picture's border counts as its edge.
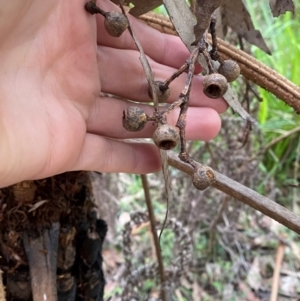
(175, 75)
(154, 233)
(214, 52)
(245, 195)
(149, 76)
(185, 95)
(144, 62)
(251, 68)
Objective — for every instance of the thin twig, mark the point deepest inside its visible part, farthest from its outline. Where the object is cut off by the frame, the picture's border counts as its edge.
(175, 75)
(185, 95)
(214, 51)
(150, 79)
(296, 205)
(245, 195)
(154, 233)
(278, 139)
(275, 141)
(144, 62)
(160, 118)
(276, 274)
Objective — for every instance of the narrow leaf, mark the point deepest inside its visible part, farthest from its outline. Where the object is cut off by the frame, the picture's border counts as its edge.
(279, 7)
(235, 15)
(140, 6)
(233, 102)
(143, 6)
(203, 11)
(184, 22)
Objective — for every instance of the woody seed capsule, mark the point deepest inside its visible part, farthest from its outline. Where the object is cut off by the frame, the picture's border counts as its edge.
(134, 119)
(230, 69)
(115, 23)
(215, 85)
(203, 177)
(166, 136)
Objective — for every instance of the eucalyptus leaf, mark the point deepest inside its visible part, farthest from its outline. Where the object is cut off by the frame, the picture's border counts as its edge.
(203, 10)
(279, 7)
(236, 16)
(141, 6)
(184, 21)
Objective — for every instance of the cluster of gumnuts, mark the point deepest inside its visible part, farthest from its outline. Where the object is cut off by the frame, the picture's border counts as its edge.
(166, 136)
(215, 84)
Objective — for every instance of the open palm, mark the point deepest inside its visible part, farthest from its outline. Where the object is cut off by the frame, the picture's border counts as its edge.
(54, 57)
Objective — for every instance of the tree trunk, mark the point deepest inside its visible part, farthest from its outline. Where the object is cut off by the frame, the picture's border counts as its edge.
(51, 240)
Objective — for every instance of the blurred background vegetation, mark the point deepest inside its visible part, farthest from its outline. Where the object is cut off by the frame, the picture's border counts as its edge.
(275, 118)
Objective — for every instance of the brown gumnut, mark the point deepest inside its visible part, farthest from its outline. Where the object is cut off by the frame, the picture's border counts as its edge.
(134, 119)
(115, 23)
(166, 136)
(215, 85)
(203, 177)
(230, 69)
(162, 94)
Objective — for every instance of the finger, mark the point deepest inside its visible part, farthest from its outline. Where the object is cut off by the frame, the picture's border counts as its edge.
(106, 120)
(106, 155)
(124, 76)
(165, 49)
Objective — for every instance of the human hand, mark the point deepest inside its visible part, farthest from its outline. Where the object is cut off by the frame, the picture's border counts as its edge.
(55, 58)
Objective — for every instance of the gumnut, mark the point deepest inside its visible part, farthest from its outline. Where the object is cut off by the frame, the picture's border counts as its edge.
(230, 69)
(215, 85)
(115, 23)
(166, 136)
(162, 93)
(134, 119)
(203, 177)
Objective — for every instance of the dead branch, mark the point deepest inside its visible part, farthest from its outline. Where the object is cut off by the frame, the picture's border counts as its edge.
(245, 195)
(150, 79)
(153, 229)
(276, 274)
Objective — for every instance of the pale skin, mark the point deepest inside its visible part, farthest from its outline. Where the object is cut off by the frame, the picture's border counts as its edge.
(55, 59)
